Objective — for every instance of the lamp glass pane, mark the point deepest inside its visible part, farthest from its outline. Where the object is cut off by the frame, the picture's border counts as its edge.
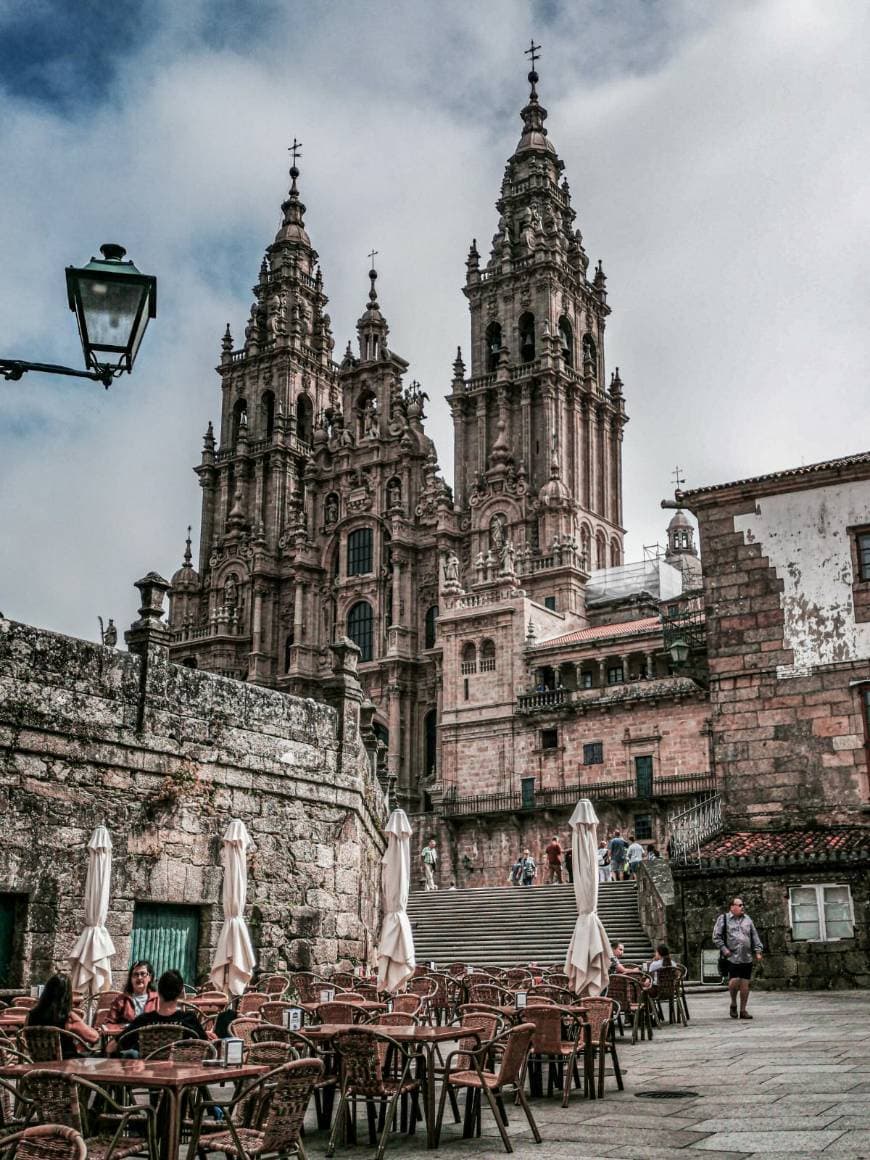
(110, 308)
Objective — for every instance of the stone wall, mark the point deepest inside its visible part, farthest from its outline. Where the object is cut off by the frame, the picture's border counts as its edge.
(164, 762)
(788, 963)
(785, 652)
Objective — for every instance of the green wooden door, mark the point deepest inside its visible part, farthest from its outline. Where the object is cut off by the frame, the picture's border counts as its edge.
(167, 936)
(7, 938)
(643, 776)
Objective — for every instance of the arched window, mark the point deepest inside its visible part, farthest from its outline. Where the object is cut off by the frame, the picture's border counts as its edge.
(360, 628)
(566, 340)
(600, 551)
(359, 552)
(526, 326)
(590, 351)
(469, 659)
(304, 417)
(267, 413)
(430, 742)
(585, 544)
(493, 346)
(487, 657)
(240, 408)
(288, 649)
(615, 554)
(430, 627)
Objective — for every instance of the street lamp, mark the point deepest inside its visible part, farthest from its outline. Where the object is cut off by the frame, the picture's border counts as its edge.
(113, 303)
(679, 652)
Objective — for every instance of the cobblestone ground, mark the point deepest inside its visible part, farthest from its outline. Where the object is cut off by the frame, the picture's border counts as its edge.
(794, 1082)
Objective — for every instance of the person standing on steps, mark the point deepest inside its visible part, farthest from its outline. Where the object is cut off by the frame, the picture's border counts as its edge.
(634, 855)
(430, 861)
(738, 942)
(603, 856)
(618, 849)
(554, 860)
(529, 869)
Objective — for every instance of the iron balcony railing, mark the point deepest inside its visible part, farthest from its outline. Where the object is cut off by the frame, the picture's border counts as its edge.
(466, 805)
(690, 829)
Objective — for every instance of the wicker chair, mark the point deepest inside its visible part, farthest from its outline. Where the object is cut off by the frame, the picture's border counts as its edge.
(103, 1005)
(45, 1142)
(488, 993)
(362, 1076)
(513, 1049)
(25, 1002)
(281, 1098)
(307, 986)
(339, 1013)
(634, 1002)
(184, 1051)
(668, 987)
(556, 978)
(273, 1011)
(457, 970)
(46, 1044)
(550, 1044)
(250, 1003)
(156, 1036)
(343, 980)
(407, 1004)
(517, 978)
(274, 985)
(60, 1099)
(324, 1089)
(244, 1029)
(366, 990)
(273, 1052)
(601, 1015)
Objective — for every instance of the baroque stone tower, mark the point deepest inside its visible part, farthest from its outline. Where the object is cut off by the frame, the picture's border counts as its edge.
(323, 511)
(538, 433)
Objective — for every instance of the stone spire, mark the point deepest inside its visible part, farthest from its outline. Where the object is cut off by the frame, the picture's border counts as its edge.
(372, 326)
(292, 229)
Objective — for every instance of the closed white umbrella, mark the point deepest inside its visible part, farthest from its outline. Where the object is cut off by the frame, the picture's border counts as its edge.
(396, 960)
(588, 961)
(234, 960)
(91, 958)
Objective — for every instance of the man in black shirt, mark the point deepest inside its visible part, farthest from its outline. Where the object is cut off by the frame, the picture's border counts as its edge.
(170, 988)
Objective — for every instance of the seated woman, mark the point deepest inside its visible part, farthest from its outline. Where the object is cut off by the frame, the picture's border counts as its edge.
(170, 988)
(54, 1009)
(662, 959)
(139, 995)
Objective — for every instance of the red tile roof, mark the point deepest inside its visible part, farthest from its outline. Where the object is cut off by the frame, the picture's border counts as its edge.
(790, 845)
(605, 631)
(773, 476)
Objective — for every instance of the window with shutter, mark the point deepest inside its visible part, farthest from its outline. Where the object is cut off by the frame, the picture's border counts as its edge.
(167, 937)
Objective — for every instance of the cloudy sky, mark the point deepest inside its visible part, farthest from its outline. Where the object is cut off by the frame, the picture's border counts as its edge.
(717, 154)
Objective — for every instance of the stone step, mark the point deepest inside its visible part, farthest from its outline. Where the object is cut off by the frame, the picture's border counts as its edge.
(504, 925)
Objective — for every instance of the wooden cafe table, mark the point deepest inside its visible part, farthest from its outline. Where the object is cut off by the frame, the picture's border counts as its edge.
(424, 1039)
(158, 1075)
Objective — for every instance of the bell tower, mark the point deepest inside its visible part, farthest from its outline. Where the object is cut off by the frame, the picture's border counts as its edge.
(537, 427)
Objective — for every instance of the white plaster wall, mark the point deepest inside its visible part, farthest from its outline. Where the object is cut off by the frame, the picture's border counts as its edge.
(804, 536)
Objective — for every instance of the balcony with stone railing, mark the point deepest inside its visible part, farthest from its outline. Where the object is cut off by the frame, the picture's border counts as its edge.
(622, 692)
(563, 797)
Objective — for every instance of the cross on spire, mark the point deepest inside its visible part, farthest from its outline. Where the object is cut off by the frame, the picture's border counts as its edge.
(533, 52)
(679, 479)
(372, 255)
(295, 151)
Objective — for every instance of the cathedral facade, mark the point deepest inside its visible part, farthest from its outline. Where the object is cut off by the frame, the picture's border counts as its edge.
(324, 514)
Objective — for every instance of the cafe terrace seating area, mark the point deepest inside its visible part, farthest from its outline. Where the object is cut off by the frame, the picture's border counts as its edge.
(329, 1064)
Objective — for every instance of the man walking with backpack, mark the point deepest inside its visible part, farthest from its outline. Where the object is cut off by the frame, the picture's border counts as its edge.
(738, 942)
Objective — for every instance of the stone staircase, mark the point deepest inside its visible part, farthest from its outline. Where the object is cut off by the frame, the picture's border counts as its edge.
(504, 925)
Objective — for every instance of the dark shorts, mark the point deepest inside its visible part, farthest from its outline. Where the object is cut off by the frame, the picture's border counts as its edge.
(739, 970)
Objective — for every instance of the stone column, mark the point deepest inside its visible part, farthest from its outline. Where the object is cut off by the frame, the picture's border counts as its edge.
(148, 637)
(397, 589)
(602, 673)
(606, 469)
(623, 660)
(526, 421)
(594, 464)
(298, 613)
(650, 666)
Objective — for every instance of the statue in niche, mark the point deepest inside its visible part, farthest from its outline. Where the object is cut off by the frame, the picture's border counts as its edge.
(451, 568)
(394, 493)
(498, 533)
(331, 509)
(231, 592)
(277, 316)
(508, 559)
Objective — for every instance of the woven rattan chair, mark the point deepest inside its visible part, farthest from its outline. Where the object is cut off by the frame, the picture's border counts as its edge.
(556, 978)
(251, 1003)
(490, 993)
(668, 988)
(600, 1014)
(274, 985)
(46, 1044)
(339, 1013)
(273, 1011)
(272, 1052)
(634, 1002)
(517, 978)
(481, 1027)
(512, 1049)
(281, 1099)
(102, 1006)
(343, 980)
(44, 1142)
(24, 1002)
(60, 1099)
(307, 986)
(362, 1076)
(244, 1029)
(551, 1045)
(457, 970)
(407, 1004)
(324, 1089)
(184, 1051)
(366, 990)
(155, 1036)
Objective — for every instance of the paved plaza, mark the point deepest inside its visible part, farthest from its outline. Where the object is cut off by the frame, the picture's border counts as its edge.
(793, 1082)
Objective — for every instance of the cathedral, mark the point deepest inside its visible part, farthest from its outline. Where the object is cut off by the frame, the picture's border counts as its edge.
(324, 515)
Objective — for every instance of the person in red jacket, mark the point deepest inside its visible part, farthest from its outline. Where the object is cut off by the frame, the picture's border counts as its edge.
(554, 860)
(138, 997)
